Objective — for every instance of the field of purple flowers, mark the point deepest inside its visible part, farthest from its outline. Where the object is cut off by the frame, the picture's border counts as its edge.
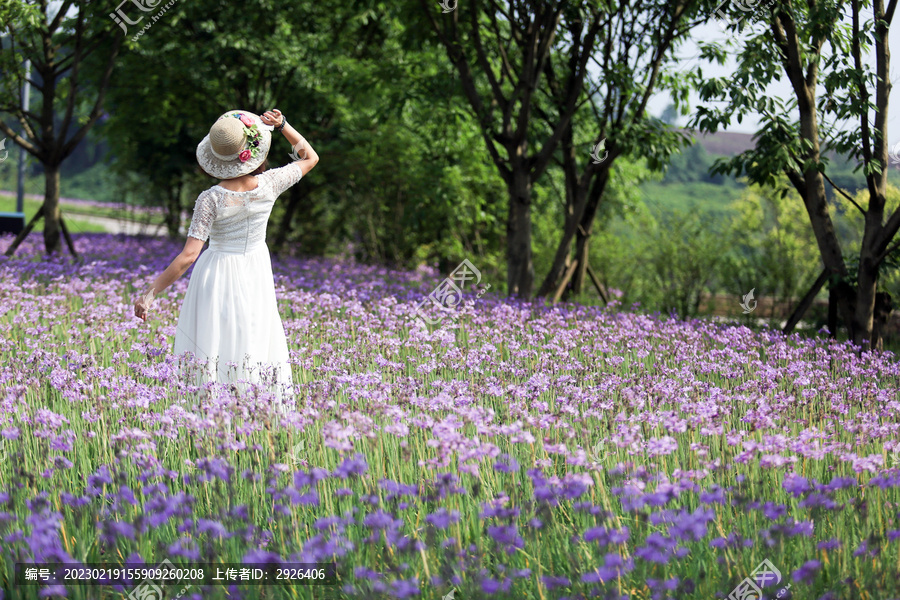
(518, 451)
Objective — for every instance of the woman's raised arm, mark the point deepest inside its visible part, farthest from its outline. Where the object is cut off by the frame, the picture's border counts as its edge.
(297, 141)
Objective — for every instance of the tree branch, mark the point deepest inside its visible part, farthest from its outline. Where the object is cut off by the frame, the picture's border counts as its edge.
(575, 88)
(96, 111)
(60, 15)
(19, 140)
(482, 57)
(73, 80)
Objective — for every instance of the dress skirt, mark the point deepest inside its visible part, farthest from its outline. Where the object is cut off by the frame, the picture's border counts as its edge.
(229, 320)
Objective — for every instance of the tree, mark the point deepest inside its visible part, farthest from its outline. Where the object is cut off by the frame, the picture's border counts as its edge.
(392, 139)
(635, 42)
(501, 51)
(171, 84)
(813, 45)
(57, 46)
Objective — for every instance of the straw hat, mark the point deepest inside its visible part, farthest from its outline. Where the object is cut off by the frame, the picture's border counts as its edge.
(237, 143)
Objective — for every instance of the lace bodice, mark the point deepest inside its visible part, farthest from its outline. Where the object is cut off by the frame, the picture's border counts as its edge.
(236, 221)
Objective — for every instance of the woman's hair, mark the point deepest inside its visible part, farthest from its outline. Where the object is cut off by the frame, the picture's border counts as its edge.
(261, 168)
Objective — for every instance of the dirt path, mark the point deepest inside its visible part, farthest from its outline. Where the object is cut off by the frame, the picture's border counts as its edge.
(121, 225)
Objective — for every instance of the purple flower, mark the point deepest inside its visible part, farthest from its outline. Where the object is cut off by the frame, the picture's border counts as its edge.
(555, 581)
(351, 467)
(492, 586)
(521, 573)
(795, 484)
(506, 464)
(817, 500)
(100, 477)
(658, 548)
(126, 495)
(807, 572)
(405, 589)
(830, 544)
(184, 547)
(211, 527)
(804, 528)
(380, 520)
(74, 501)
(262, 557)
(839, 483)
(53, 591)
(61, 462)
(110, 530)
(598, 534)
(864, 549)
(365, 573)
(715, 495)
(441, 519)
(890, 480)
(774, 511)
(692, 526)
(396, 489)
(507, 536)
(214, 467)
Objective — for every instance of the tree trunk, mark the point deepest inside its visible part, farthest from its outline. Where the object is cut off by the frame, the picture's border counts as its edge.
(572, 216)
(805, 303)
(52, 242)
(24, 233)
(816, 203)
(843, 295)
(520, 271)
(864, 305)
(583, 234)
(585, 201)
(884, 305)
(582, 246)
(172, 217)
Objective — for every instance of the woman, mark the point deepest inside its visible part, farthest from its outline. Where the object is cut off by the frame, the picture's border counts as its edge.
(229, 318)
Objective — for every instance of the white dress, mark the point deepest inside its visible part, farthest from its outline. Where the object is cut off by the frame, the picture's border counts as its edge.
(229, 318)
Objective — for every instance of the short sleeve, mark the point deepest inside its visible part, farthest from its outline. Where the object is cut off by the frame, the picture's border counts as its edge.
(284, 177)
(204, 215)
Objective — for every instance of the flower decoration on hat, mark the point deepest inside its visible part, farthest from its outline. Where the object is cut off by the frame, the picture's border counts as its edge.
(234, 147)
(253, 134)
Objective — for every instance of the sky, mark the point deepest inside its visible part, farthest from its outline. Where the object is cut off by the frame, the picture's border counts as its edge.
(712, 32)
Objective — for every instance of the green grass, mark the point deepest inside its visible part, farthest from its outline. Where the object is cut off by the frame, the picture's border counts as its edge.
(69, 212)
(706, 198)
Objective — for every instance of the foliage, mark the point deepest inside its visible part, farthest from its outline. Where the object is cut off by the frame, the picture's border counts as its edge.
(771, 248)
(851, 224)
(692, 164)
(401, 177)
(661, 260)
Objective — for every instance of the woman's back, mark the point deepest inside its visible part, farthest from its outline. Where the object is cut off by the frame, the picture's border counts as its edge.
(235, 222)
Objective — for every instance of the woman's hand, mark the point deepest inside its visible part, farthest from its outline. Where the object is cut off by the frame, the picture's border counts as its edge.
(142, 305)
(272, 117)
(140, 311)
